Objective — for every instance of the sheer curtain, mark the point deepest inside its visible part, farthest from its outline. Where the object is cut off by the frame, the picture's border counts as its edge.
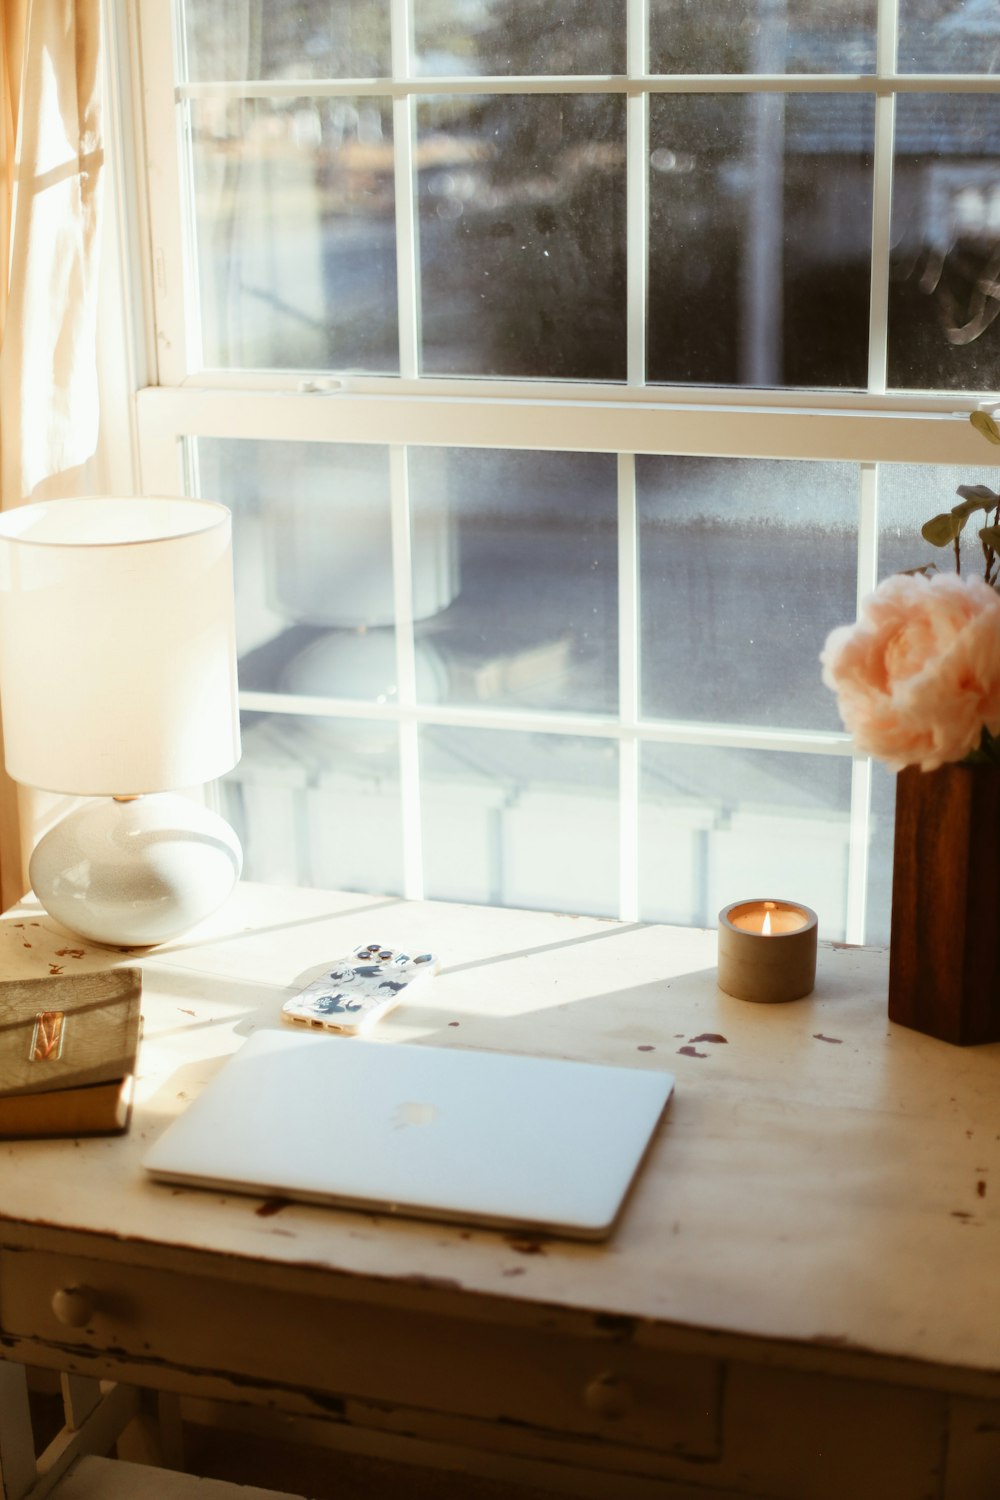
(51, 149)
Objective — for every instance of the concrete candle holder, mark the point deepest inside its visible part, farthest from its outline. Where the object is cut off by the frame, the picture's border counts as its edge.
(767, 950)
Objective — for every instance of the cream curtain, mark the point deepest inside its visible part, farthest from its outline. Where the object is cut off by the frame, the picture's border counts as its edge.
(51, 150)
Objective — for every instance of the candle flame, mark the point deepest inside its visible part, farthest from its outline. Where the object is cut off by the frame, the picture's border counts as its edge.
(766, 928)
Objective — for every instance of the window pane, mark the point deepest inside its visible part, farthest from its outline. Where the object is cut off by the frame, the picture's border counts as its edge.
(723, 825)
(760, 239)
(908, 495)
(882, 830)
(534, 620)
(762, 36)
(313, 561)
(519, 36)
(316, 802)
(515, 819)
(944, 289)
(949, 36)
(293, 211)
(522, 235)
(745, 565)
(310, 39)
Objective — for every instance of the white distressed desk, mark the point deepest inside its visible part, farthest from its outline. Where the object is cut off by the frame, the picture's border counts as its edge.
(801, 1301)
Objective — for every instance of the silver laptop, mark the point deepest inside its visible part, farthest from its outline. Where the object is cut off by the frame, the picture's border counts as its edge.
(439, 1132)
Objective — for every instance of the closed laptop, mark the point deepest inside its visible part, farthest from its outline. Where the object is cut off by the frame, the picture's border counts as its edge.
(440, 1132)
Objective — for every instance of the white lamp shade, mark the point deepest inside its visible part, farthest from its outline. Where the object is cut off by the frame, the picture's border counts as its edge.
(117, 645)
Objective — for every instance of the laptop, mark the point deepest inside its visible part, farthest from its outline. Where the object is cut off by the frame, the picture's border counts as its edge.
(437, 1132)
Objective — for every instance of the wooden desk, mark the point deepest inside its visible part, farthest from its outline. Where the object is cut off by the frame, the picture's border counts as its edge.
(801, 1301)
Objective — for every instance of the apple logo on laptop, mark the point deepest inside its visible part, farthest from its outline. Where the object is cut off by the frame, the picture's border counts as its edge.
(414, 1113)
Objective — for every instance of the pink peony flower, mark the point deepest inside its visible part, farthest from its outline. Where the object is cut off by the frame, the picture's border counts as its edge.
(918, 677)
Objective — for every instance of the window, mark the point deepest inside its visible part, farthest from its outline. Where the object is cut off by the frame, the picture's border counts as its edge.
(570, 370)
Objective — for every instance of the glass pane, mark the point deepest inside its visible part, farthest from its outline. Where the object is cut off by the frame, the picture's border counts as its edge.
(293, 212)
(519, 36)
(310, 39)
(944, 294)
(882, 825)
(949, 36)
(313, 561)
(722, 825)
(760, 239)
(513, 819)
(316, 802)
(908, 495)
(745, 566)
(522, 235)
(762, 36)
(534, 617)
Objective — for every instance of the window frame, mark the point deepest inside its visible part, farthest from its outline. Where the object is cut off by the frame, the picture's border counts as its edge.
(181, 400)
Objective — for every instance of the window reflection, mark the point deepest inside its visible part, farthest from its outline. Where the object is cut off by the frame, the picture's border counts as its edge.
(745, 565)
(455, 37)
(717, 824)
(294, 222)
(534, 618)
(762, 36)
(522, 235)
(945, 274)
(949, 36)
(306, 39)
(760, 239)
(515, 819)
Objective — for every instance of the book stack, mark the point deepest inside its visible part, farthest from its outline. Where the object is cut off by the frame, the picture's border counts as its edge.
(68, 1049)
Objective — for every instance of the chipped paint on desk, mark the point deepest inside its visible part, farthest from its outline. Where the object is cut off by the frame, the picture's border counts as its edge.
(843, 1166)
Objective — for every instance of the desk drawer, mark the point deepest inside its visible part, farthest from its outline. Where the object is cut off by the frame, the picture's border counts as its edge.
(331, 1349)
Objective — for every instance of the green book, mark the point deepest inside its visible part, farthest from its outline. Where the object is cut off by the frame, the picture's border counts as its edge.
(68, 1049)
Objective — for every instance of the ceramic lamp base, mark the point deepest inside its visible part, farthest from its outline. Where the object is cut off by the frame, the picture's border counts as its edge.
(138, 872)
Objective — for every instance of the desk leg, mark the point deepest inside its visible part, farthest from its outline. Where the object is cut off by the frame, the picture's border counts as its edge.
(154, 1436)
(81, 1395)
(97, 1433)
(94, 1421)
(168, 1411)
(18, 1470)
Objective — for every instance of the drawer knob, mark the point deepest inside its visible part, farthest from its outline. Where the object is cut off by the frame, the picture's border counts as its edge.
(608, 1396)
(73, 1305)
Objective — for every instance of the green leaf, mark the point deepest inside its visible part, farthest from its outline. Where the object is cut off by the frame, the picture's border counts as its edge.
(990, 537)
(980, 493)
(969, 507)
(987, 752)
(984, 423)
(942, 530)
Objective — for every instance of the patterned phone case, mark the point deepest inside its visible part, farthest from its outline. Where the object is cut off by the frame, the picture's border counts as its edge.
(356, 992)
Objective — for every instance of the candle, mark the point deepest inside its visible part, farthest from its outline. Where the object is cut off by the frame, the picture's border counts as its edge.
(767, 950)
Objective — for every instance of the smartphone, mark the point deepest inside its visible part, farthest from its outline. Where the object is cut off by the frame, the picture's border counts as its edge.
(359, 990)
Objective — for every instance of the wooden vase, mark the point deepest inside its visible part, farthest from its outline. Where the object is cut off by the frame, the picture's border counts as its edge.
(944, 961)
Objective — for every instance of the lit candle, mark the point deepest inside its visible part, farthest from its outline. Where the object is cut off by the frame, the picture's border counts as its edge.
(767, 950)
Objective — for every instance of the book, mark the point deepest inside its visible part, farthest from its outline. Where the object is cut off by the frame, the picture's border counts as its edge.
(68, 1048)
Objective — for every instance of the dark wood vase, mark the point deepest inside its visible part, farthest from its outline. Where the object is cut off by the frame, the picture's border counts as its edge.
(944, 961)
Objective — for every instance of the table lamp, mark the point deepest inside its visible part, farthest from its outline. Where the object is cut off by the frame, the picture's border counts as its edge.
(118, 682)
